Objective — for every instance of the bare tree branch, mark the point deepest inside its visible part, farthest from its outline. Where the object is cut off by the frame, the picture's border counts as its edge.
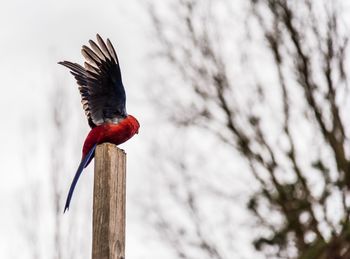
(308, 57)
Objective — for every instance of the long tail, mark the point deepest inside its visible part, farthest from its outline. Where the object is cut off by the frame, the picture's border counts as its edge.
(84, 162)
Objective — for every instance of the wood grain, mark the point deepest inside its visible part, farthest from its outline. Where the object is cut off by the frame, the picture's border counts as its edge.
(109, 203)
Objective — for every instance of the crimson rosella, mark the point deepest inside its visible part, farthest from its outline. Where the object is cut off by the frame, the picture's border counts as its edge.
(103, 98)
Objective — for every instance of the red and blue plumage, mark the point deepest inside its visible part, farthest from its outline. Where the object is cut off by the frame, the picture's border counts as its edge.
(103, 99)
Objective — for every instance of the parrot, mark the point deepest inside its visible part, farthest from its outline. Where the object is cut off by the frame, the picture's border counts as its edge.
(103, 99)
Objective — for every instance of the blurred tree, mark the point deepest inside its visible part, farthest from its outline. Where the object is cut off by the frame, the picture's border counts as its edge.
(59, 113)
(62, 236)
(269, 79)
(68, 241)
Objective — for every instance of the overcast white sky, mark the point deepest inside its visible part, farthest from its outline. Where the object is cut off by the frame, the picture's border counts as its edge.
(35, 35)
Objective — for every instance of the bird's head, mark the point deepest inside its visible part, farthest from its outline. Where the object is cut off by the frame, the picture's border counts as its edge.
(134, 123)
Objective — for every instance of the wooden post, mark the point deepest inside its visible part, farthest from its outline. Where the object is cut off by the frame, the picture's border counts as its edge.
(108, 227)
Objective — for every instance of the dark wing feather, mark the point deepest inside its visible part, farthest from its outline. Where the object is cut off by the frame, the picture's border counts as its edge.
(100, 83)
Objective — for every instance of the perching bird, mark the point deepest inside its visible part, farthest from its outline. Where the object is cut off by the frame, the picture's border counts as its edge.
(103, 98)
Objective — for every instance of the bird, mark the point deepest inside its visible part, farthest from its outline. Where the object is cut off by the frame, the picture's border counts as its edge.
(103, 98)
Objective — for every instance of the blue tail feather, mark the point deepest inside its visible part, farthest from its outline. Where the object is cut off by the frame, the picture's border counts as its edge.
(84, 162)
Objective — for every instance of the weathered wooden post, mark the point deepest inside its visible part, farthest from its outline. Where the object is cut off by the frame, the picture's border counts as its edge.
(109, 203)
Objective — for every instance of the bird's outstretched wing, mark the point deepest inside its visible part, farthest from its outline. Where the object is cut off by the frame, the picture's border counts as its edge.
(100, 83)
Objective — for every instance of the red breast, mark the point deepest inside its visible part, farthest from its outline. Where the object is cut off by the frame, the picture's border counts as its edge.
(112, 133)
